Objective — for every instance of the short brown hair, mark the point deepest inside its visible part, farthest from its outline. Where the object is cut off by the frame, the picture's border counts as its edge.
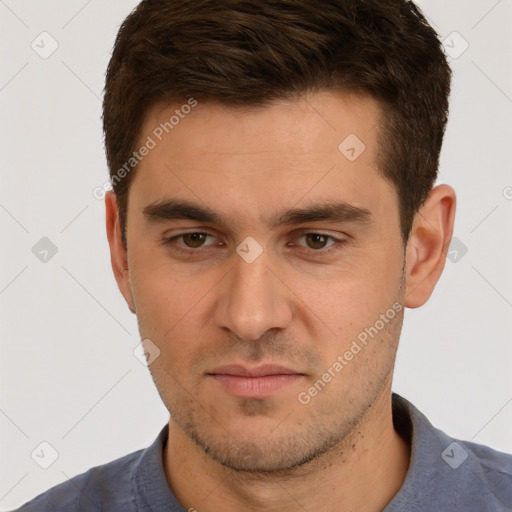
(250, 52)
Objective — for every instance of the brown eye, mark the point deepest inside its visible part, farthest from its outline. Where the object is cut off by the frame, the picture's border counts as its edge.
(194, 240)
(316, 240)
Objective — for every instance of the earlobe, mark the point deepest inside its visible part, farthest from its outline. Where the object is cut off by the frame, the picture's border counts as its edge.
(427, 246)
(118, 254)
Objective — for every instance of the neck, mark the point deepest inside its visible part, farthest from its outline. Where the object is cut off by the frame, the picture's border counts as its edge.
(364, 472)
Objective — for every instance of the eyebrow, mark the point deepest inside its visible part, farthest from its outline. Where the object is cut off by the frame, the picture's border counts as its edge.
(330, 212)
(173, 209)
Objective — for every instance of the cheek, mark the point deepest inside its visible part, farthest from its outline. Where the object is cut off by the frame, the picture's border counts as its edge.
(157, 307)
(172, 302)
(165, 314)
(350, 298)
(359, 307)
(161, 297)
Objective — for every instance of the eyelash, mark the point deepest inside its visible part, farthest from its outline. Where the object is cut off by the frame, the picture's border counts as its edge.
(336, 245)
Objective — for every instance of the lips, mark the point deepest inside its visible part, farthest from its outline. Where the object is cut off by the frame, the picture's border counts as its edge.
(260, 382)
(260, 371)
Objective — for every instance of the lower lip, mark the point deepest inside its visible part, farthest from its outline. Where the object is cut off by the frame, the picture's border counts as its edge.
(255, 387)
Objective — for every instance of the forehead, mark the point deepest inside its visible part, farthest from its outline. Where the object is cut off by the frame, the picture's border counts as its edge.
(311, 123)
(321, 147)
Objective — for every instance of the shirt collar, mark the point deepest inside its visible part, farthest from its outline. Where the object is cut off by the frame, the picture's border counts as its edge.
(427, 469)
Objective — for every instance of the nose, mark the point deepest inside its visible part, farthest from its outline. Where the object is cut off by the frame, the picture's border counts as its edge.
(253, 300)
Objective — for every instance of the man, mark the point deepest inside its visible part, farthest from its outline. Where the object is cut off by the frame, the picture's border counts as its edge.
(273, 214)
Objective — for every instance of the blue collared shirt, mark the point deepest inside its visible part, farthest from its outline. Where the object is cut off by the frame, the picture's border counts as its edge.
(444, 474)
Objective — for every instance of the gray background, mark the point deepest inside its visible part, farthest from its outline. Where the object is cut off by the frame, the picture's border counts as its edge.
(68, 373)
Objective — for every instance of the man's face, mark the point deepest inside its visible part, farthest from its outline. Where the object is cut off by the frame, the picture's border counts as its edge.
(256, 282)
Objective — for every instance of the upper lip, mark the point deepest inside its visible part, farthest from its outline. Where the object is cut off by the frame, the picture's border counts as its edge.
(259, 371)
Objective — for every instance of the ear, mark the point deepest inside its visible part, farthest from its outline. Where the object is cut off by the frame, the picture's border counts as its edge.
(428, 243)
(118, 254)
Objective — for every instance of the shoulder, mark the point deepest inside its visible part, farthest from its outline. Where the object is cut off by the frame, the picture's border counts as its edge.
(446, 473)
(490, 472)
(105, 487)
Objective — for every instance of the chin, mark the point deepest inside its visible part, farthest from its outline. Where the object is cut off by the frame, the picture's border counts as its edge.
(257, 452)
